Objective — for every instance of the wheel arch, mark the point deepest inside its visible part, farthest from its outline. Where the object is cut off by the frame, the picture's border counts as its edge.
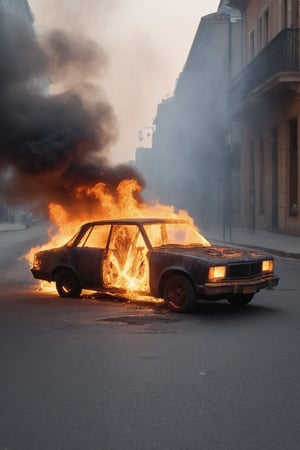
(62, 267)
(168, 274)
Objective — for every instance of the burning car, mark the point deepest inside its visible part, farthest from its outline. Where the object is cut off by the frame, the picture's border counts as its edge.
(163, 258)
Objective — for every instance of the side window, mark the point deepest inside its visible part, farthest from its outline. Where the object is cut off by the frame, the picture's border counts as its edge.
(155, 234)
(96, 237)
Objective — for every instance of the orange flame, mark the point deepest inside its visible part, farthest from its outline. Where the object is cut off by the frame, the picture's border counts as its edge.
(131, 274)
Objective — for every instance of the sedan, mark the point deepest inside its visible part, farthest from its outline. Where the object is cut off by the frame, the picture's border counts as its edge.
(163, 258)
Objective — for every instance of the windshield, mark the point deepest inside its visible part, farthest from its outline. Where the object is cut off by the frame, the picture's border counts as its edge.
(181, 233)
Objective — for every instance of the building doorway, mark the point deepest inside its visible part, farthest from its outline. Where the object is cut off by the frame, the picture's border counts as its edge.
(274, 150)
(252, 223)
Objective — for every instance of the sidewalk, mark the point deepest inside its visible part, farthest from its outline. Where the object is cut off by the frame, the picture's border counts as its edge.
(275, 243)
(11, 226)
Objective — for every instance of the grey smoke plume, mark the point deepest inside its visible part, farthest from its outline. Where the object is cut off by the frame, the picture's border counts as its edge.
(52, 144)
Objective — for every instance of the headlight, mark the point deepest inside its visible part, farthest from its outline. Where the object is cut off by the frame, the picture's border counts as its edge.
(216, 273)
(267, 265)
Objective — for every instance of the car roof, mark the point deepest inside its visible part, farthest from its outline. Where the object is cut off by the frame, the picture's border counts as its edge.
(133, 221)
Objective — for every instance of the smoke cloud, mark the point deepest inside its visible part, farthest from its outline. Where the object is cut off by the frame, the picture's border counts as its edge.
(51, 144)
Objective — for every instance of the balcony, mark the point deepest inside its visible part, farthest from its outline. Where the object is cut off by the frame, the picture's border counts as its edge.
(276, 66)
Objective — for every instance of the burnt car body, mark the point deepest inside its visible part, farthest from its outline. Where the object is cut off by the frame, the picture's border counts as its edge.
(163, 258)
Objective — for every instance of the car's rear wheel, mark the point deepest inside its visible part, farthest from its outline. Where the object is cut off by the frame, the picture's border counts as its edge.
(240, 300)
(67, 283)
(180, 295)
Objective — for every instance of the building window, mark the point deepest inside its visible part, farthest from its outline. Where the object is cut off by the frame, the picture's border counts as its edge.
(261, 176)
(295, 14)
(293, 167)
(252, 45)
(266, 26)
(260, 33)
(284, 14)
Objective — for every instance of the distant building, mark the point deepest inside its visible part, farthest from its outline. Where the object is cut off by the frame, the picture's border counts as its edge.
(189, 149)
(17, 8)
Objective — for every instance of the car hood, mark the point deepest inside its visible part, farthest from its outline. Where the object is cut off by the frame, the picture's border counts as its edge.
(215, 254)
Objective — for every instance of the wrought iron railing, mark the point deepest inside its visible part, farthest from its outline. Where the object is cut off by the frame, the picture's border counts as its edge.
(280, 55)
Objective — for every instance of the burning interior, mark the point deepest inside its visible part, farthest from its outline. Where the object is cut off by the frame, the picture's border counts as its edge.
(126, 264)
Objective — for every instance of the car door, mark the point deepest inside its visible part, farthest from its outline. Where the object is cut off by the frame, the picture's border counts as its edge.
(126, 265)
(88, 255)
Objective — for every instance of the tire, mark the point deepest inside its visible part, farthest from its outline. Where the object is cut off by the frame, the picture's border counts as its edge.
(67, 284)
(179, 294)
(240, 300)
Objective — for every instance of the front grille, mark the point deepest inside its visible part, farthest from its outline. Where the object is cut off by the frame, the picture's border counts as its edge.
(245, 270)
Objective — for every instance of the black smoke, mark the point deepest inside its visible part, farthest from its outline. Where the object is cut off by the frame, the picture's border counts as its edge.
(51, 144)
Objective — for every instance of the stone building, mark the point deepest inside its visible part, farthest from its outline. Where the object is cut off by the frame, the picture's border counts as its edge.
(265, 114)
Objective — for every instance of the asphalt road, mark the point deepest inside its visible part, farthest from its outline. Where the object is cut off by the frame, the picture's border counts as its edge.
(108, 374)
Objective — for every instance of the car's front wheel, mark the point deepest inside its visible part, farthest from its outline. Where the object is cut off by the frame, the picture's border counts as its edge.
(240, 300)
(179, 294)
(67, 283)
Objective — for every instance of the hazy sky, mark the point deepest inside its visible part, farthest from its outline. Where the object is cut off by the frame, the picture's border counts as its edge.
(147, 43)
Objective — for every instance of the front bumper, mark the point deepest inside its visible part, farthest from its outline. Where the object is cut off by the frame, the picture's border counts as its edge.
(41, 275)
(239, 287)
